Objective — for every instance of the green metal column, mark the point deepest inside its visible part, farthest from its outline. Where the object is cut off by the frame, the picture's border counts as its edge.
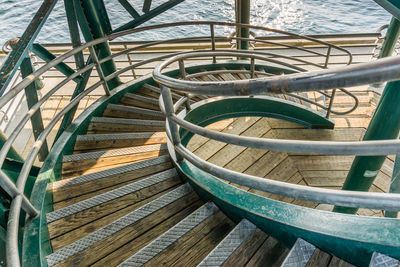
(385, 124)
(97, 26)
(32, 99)
(242, 16)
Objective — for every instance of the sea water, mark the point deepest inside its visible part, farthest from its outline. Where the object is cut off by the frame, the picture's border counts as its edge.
(298, 16)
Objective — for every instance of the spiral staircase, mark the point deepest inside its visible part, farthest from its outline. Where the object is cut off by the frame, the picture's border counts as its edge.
(167, 169)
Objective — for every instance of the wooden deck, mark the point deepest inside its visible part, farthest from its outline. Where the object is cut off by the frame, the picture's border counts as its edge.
(311, 170)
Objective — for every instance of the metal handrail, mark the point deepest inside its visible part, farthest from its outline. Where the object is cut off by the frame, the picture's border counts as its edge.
(380, 70)
(386, 69)
(19, 201)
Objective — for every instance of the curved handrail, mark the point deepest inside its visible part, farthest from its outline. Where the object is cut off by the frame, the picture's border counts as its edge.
(19, 200)
(382, 70)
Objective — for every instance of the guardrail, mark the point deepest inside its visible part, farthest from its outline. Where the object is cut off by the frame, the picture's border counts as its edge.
(19, 201)
(360, 74)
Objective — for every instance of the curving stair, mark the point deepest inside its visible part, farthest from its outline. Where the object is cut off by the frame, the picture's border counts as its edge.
(121, 202)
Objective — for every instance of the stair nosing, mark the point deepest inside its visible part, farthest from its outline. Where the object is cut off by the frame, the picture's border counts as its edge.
(171, 235)
(127, 121)
(110, 172)
(140, 110)
(145, 99)
(300, 254)
(114, 152)
(116, 226)
(120, 136)
(382, 260)
(110, 195)
(229, 244)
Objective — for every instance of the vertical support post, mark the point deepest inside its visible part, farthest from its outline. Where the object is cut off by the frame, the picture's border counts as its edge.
(79, 62)
(252, 67)
(32, 99)
(384, 124)
(183, 75)
(94, 22)
(243, 17)
(328, 111)
(213, 41)
(328, 54)
(394, 185)
(169, 110)
(99, 70)
(391, 38)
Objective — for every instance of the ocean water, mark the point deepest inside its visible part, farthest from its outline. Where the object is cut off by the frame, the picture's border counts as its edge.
(298, 16)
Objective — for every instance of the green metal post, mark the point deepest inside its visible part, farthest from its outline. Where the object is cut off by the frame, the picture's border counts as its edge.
(79, 62)
(47, 56)
(32, 99)
(242, 16)
(384, 124)
(392, 36)
(96, 24)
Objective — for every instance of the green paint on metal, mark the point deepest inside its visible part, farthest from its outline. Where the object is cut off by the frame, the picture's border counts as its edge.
(394, 185)
(36, 242)
(129, 8)
(263, 106)
(146, 6)
(32, 99)
(69, 116)
(47, 56)
(18, 54)
(149, 15)
(12, 153)
(242, 10)
(384, 124)
(391, 38)
(392, 6)
(352, 238)
(94, 22)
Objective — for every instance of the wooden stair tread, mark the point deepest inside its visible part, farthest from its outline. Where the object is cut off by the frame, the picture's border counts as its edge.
(71, 217)
(77, 163)
(73, 187)
(115, 140)
(96, 245)
(130, 112)
(110, 125)
(140, 101)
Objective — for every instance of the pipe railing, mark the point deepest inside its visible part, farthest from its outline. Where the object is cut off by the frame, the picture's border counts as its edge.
(361, 74)
(19, 201)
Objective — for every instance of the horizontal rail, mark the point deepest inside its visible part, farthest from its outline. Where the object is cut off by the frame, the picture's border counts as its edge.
(386, 69)
(370, 200)
(361, 148)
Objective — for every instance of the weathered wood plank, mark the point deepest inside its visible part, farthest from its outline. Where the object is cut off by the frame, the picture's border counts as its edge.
(76, 220)
(124, 252)
(246, 250)
(61, 192)
(106, 246)
(271, 253)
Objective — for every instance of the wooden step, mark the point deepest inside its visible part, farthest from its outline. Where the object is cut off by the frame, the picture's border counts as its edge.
(62, 221)
(117, 140)
(229, 244)
(172, 235)
(108, 239)
(140, 101)
(194, 246)
(84, 184)
(111, 125)
(146, 88)
(129, 112)
(78, 164)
